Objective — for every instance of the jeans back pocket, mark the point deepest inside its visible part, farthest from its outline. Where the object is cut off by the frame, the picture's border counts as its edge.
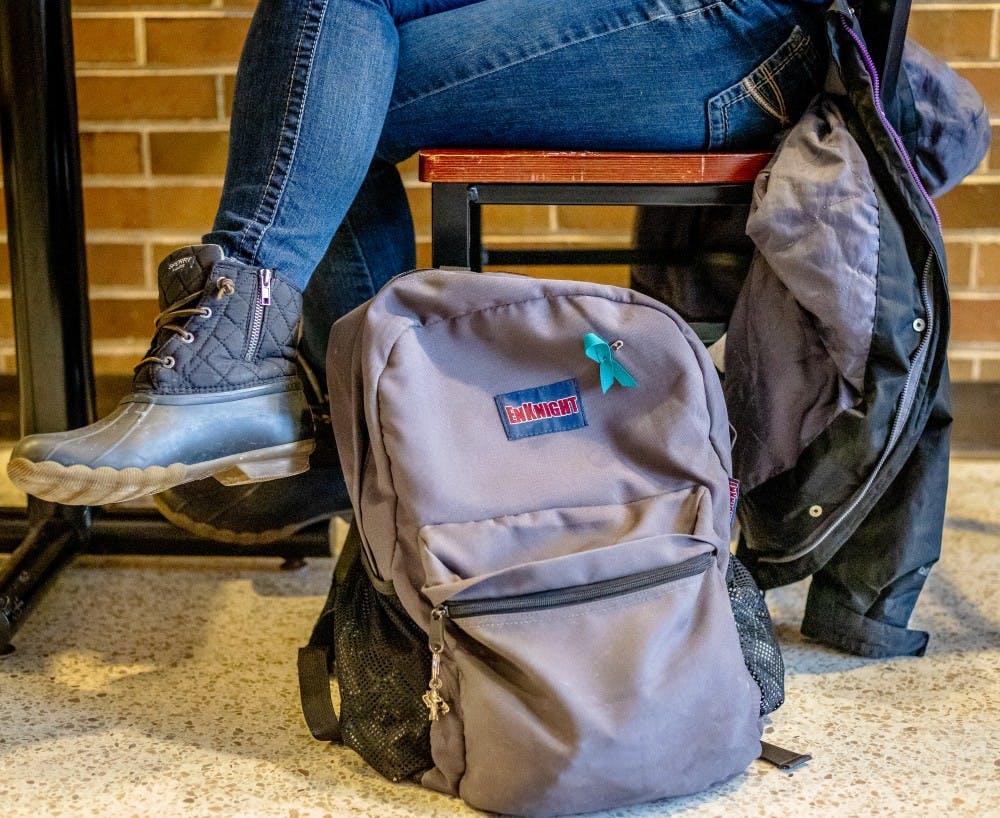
(768, 99)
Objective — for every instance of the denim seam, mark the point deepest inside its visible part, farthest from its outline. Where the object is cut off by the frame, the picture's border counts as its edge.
(361, 253)
(746, 82)
(545, 52)
(793, 53)
(272, 192)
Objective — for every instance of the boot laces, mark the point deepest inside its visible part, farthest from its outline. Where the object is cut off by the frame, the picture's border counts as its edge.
(181, 310)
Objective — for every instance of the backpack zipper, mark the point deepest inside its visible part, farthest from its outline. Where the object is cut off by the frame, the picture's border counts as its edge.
(265, 277)
(576, 594)
(544, 600)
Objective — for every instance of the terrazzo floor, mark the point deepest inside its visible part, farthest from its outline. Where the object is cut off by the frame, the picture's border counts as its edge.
(166, 687)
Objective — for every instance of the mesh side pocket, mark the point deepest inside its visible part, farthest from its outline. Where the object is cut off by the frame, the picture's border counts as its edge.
(760, 647)
(382, 666)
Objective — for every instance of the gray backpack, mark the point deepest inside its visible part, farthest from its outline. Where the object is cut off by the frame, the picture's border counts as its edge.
(534, 609)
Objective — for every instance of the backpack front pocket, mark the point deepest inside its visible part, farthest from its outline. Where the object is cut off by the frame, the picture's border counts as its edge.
(578, 697)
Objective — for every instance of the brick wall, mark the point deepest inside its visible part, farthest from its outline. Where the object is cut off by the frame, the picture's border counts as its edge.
(154, 85)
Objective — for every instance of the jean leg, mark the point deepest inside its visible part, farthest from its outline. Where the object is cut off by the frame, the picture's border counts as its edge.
(594, 74)
(373, 243)
(312, 89)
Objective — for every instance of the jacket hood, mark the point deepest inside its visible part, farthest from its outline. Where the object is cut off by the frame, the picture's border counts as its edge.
(953, 126)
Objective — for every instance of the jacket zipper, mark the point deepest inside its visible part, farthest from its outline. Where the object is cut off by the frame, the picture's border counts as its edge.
(541, 601)
(866, 58)
(908, 394)
(265, 277)
(906, 400)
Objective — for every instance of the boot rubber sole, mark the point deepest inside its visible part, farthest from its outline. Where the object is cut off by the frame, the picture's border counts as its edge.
(81, 485)
(211, 532)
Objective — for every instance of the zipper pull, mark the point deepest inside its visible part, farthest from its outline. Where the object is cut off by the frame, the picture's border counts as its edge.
(436, 706)
(266, 277)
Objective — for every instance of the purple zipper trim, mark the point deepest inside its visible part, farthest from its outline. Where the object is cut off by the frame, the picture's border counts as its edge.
(870, 66)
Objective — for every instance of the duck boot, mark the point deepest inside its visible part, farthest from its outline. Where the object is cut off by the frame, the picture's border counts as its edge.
(217, 395)
(262, 513)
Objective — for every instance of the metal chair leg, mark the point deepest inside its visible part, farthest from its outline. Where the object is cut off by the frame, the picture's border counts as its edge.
(454, 227)
(48, 273)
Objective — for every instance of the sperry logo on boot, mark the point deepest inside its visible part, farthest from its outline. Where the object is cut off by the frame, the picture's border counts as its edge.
(555, 407)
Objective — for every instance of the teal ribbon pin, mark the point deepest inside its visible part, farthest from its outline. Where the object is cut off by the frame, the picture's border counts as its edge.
(599, 350)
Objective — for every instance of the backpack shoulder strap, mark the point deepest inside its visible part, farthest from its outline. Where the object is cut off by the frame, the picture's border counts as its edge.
(316, 662)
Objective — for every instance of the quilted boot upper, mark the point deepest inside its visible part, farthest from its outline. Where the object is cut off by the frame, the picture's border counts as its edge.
(223, 325)
(217, 395)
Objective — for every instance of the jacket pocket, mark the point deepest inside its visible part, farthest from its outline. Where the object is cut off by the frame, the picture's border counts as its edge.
(769, 99)
(579, 681)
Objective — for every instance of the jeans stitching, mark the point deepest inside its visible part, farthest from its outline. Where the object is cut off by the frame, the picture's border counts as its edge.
(370, 289)
(545, 52)
(755, 92)
(274, 192)
(796, 50)
(724, 108)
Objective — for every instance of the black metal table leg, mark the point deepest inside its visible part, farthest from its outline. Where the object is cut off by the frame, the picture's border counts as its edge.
(41, 162)
(452, 207)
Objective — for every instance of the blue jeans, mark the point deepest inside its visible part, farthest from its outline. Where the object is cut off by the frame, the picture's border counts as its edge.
(331, 94)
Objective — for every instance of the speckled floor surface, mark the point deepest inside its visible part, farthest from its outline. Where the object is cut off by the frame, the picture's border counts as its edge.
(166, 687)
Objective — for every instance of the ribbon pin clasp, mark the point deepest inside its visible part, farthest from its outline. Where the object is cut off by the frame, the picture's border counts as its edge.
(597, 349)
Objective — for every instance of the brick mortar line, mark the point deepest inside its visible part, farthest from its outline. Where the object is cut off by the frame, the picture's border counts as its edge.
(975, 293)
(596, 239)
(994, 36)
(97, 181)
(971, 348)
(164, 14)
(115, 292)
(153, 125)
(107, 235)
(979, 178)
(971, 236)
(981, 235)
(90, 71)
(141, 46)
(974, 5)
(980, 295)
(220, 97)
(149, 267)
(145, 158)
(965, 64)
(152, 236)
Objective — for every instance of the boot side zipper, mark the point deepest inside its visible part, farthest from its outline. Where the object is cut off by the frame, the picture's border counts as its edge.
(540, 601)
(265, 278)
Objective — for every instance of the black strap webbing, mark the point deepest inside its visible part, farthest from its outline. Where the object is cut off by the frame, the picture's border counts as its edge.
(786, 760)
(314, 690)
(316, 660)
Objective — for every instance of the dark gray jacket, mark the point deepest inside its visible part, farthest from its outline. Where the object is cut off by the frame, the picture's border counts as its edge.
(836, 370)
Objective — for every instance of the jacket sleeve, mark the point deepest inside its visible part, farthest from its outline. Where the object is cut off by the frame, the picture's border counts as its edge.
(862, 599)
